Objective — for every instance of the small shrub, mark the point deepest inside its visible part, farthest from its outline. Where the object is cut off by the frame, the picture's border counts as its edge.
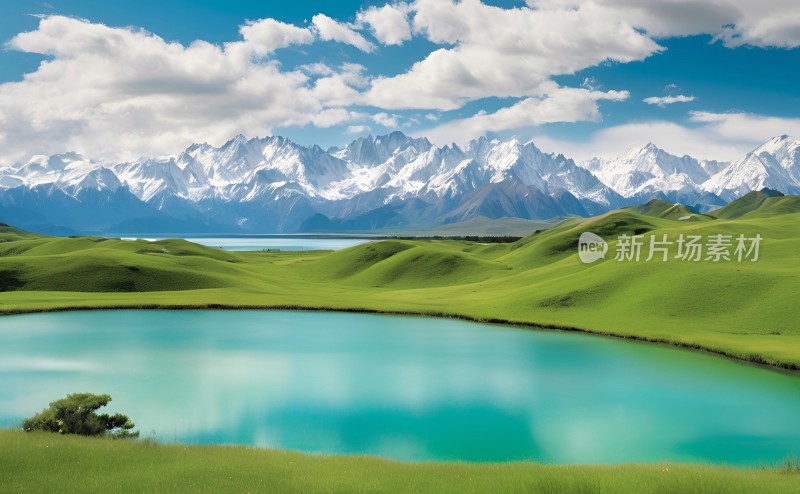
(77, 414)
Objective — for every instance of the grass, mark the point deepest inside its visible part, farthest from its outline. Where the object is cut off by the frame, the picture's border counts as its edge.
(755, 204)
(743, 310)
(41, 462)
(663, 209)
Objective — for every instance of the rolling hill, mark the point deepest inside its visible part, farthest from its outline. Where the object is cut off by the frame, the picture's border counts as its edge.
(663, 209)
(743, 309)
(763, 202)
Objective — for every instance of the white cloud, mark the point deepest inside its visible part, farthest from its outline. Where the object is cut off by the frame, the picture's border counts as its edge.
(491, 51)
(316, 69)
(746, 128)
(331, 30)
(341, 88)
(733, 22)
(358, 129)
(559, 105)
(385, 120)
(116, 93)
(333, 116)
(663, 101)
(778, 28)
(389, 23)
(267, 35)
(720, 136)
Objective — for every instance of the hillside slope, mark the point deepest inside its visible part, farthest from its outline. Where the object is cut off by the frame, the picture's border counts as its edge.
(746, 309)
(747, 203)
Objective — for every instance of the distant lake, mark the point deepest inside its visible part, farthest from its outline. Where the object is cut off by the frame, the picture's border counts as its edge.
(256, 242)
(407, 388)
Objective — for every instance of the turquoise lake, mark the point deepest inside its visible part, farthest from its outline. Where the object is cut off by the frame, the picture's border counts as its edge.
(406, 388)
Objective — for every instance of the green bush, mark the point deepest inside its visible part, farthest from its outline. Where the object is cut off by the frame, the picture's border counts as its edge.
(77, 414)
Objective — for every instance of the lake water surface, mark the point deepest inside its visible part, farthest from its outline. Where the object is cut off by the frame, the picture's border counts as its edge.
(256, 242)
(400, 387)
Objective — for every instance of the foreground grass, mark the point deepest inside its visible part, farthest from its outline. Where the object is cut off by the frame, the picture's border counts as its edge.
(41, 462)
(743, 310)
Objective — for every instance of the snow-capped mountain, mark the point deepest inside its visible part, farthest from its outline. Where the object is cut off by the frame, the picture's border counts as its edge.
(275, 185)
(649, 172)
(775, 164)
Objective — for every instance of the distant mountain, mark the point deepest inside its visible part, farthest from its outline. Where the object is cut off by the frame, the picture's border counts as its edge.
(651, 172)
(391, 181)
(775, 165)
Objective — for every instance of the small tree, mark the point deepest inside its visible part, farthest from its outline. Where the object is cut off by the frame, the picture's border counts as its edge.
(76, 414)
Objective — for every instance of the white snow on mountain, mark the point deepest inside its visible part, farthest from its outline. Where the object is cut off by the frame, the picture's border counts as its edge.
(375, 171)
(650, 170)
(69, 172)
(775, 164)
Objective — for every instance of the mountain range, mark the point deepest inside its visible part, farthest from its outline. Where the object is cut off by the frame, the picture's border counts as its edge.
(273, 185)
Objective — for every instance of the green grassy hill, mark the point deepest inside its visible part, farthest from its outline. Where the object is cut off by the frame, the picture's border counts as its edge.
(480, 226)
(743, 309)
(752, 202)
(40, 462)
(94, 264)
(774, 206)
(663, 209)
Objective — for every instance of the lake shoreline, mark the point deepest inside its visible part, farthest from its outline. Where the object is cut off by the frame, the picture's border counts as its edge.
(143, 466)
(751, 359)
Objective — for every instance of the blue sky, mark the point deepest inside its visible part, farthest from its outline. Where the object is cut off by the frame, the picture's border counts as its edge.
(721, 77)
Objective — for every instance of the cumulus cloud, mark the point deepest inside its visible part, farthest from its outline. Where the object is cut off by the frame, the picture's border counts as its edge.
(720, 136)
(559, 105)
(389, 23)
(267, 35)
(735, 23)
(358, 129)
(341, 88)
(663, 101)
(331, 30)
(316, 69)
(116, 93)
(385, 120)
(491, 51)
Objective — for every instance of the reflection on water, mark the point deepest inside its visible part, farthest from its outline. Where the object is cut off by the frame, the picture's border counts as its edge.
(401, 387)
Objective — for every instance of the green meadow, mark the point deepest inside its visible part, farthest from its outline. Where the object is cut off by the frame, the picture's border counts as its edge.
(41, 462)
(746, 310)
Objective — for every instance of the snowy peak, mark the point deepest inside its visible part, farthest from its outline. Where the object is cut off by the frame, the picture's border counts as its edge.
(648, 172)
(66, 169)
(778, 145)
(99, 179)
(774, 165)
(372, 151)
(783, 149)
(275, 183)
